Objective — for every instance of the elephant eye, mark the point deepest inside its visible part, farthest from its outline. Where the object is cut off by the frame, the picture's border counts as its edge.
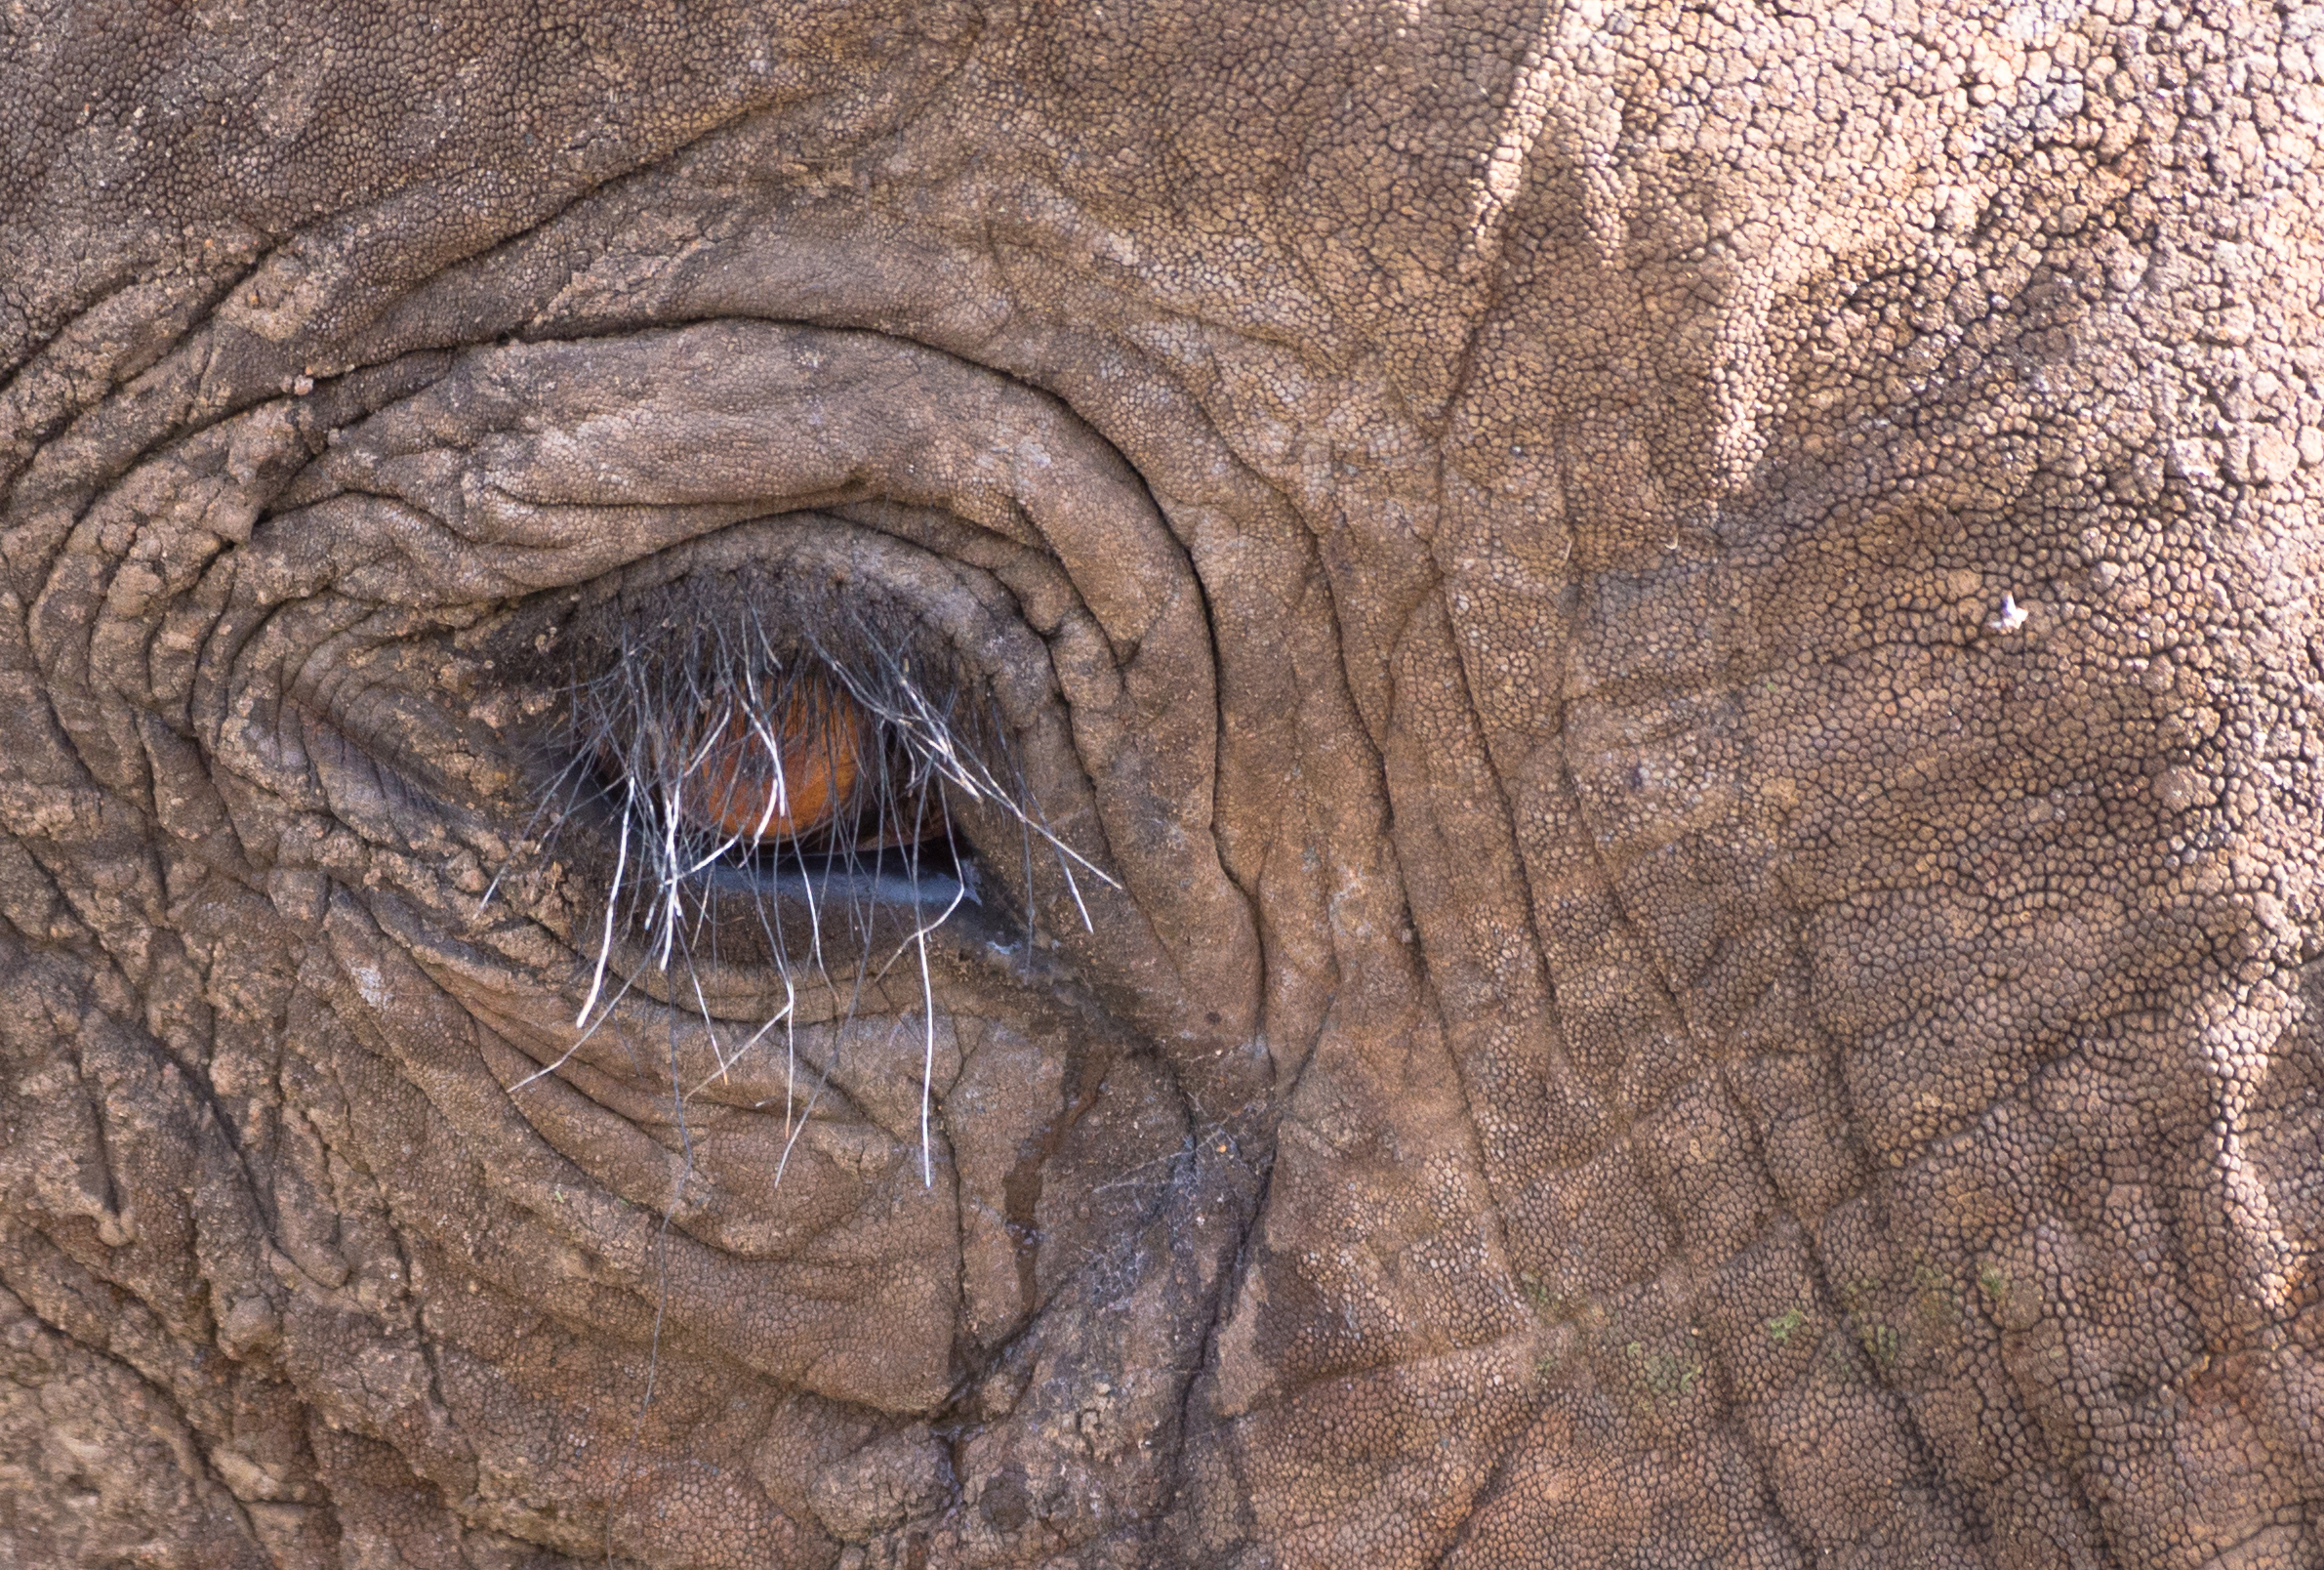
(759, 760)
(777, 778)
(782, 779)
(769, 763)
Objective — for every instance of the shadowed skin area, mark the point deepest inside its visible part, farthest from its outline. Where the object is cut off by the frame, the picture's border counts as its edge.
(1689, 635)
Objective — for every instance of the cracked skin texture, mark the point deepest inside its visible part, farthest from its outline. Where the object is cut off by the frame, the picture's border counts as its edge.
(1647, 1021)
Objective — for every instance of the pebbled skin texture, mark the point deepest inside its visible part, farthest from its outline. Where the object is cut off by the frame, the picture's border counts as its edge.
(1692, 631)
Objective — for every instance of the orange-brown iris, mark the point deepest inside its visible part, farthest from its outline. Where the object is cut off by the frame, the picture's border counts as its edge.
(801, 785)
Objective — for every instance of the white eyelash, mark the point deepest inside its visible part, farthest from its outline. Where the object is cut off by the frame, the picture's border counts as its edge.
(946, 745)
(660, 685)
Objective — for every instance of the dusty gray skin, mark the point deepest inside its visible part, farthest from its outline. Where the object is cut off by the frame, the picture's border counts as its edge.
(1690, 637)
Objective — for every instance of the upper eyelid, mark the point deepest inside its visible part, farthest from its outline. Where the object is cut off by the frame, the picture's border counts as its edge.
(510, 484)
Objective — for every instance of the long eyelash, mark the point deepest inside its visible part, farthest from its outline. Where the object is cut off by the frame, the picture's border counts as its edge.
(693, 678)
(690, 682)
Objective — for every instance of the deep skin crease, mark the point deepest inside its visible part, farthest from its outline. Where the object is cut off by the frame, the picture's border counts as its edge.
(1688, 637)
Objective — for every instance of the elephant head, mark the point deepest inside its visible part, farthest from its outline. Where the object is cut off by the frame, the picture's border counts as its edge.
(1161, 784)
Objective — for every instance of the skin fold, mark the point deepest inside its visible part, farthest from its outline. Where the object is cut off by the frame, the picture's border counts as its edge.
(1669, 656)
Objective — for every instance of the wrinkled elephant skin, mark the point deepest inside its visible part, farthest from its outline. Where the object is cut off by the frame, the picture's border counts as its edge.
(1646, 874)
